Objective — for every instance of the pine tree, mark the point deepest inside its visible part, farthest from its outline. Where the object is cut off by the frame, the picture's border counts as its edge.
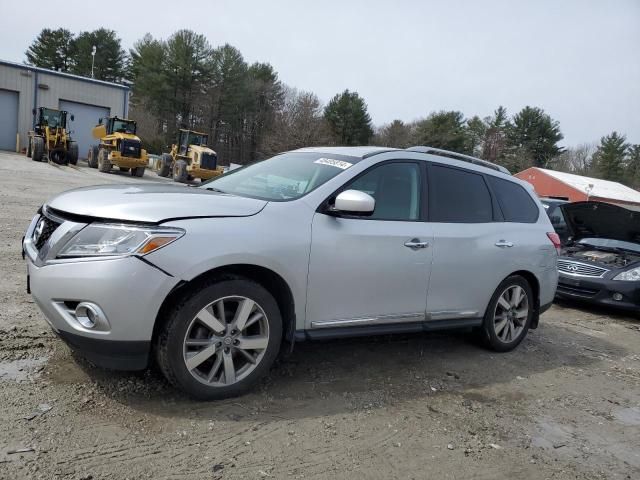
(110, 59)
(533, 138)
(348, 119)
(632, 171)
(495, 140)
(444, 129)
(52, 49)
(475, 131)
(610, 157)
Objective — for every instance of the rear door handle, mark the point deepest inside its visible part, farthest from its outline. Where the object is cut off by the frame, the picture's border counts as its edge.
(415, 244)
(504, 243)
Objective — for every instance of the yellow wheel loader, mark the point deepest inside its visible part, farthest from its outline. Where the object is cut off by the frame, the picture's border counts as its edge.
(190, 158)
(119, 147)
(50, 139)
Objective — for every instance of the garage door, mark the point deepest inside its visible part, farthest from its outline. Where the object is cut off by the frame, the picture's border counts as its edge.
(8, 119)
(85, 118)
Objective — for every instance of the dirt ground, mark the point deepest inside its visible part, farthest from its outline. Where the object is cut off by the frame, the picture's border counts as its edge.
(565, 404)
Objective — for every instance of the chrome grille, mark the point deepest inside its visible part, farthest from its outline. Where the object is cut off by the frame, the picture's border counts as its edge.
(43, 231)
(580, 269)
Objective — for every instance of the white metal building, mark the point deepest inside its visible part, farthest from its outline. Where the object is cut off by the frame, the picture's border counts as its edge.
(24, 88)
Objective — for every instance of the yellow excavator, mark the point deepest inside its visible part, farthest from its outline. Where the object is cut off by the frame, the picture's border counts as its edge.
(50, 138)
(119, 147)
(190, 158)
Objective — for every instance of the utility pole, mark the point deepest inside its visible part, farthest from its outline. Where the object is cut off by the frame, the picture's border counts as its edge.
(93, 58)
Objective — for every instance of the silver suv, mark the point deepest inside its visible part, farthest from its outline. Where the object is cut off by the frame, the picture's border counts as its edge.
(310, 244)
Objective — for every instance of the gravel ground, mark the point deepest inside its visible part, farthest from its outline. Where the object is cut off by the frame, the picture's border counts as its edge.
(565, 404)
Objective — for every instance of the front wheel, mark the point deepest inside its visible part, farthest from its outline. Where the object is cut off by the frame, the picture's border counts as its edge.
(104, 164)
(137, 172)
(165, 165)
(180, 173)
(220, 340)
(72, 153)
(508, 315)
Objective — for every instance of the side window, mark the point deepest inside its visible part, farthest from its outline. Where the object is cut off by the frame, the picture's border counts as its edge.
(395, 188)
(458, 196)
(557, 218)
(516, 204)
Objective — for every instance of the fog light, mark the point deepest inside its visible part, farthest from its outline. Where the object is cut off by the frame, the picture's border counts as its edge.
(88, 314)
(617, 297)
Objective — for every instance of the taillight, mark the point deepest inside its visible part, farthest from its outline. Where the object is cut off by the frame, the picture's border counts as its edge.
(555, 239)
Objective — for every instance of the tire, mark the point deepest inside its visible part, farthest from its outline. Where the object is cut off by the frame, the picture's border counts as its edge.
(137, 172)
(165, 165)
(29, 148)
(92, 157)
(104, 165)
(124, 169)
(504, 337)
(38, 149)
(72, 153)
(182, 324)
(180, 171)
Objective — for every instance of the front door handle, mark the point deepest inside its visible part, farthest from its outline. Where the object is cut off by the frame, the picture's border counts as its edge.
(504, 243)
(415, 244)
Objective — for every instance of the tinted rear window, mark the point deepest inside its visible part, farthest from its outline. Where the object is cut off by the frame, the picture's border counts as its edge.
(458, 196)
(516, 204)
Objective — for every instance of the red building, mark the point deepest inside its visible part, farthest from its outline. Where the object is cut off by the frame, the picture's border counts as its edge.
(575, 188)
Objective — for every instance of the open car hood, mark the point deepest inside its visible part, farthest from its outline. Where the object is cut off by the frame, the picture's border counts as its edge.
(151, 203)
(602, 220)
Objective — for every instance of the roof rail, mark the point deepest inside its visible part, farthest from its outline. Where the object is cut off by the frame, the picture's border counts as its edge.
(458, 156)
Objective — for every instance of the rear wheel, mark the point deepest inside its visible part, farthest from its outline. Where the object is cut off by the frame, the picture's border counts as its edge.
(219, 341)
(165, 165)
(104, 165)
(508, 315)
(137, 172)
(72, 153)
(180, 171)
(92, 157)
(38, 149)
(29, 148)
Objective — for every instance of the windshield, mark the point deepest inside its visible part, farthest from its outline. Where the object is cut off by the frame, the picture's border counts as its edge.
(281, 178)
(610, 243)
(197, 139)
(124, 126)
(52, 118)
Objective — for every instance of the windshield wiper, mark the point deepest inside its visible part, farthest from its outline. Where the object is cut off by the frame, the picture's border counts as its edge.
(213, 189)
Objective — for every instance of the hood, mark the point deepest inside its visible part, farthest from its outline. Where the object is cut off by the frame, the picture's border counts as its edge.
(152, 203)
(602, 220)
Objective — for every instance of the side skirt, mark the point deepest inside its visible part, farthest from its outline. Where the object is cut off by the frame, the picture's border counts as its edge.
(368, 330)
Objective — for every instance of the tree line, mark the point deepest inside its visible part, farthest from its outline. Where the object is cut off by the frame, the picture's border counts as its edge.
(184, 82)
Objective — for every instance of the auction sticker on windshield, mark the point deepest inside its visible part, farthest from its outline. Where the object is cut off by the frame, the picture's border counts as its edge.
(334, 163)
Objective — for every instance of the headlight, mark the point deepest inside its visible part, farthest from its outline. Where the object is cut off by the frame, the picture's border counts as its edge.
(104, 240)
(632, 275)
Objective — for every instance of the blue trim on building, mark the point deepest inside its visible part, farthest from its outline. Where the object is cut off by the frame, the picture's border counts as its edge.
(62, 74)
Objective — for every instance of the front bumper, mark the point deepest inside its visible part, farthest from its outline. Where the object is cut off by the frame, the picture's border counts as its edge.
(600, 291)
(127, 292)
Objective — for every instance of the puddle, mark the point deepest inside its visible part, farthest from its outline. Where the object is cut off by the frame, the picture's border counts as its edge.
(21, 370)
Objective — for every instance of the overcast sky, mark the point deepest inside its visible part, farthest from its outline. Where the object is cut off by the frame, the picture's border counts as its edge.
(577, 59)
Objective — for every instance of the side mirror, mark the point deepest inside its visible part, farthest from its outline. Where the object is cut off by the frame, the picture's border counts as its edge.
(72, 117)
(355, 202)
(33, 111)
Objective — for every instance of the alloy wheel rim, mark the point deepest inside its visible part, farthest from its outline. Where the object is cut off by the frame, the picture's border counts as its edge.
(225, 341)
(511, 313)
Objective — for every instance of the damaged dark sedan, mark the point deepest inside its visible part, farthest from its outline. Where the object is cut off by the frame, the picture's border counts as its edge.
(600, 262)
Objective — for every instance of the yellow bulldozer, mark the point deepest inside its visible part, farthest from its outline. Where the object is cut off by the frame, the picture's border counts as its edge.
(190, 158)
(119, 147)
(50, 138)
